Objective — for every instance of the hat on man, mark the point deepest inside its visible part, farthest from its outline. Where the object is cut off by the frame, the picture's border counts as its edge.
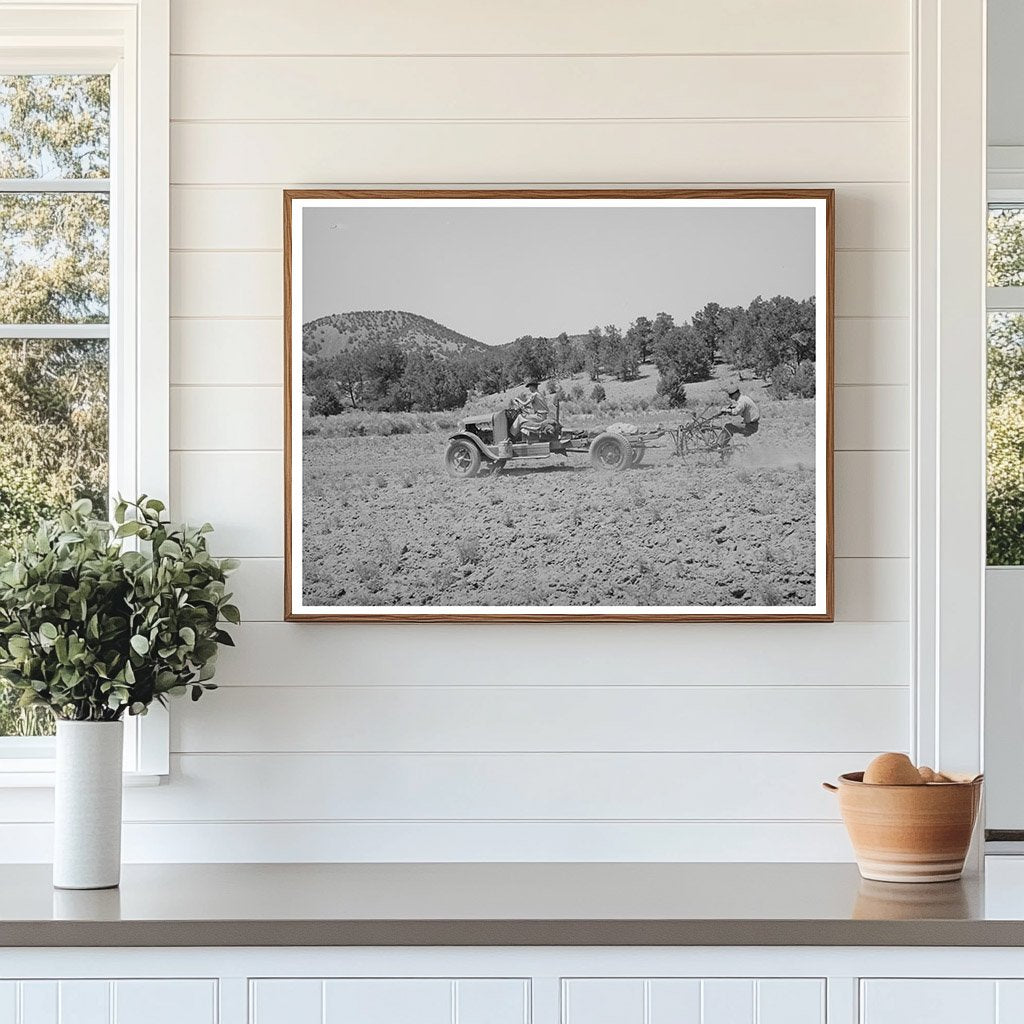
(531, 383)
(732, 391)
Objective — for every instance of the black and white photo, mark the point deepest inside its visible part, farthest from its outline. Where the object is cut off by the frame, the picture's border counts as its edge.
(599, 405)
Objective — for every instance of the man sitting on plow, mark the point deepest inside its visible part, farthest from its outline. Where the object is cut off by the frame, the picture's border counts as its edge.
(534, 421)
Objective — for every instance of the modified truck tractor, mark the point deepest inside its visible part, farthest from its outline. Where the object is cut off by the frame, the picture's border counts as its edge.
(483, 443)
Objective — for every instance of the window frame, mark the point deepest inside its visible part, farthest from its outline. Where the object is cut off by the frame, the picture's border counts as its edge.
(130, 41)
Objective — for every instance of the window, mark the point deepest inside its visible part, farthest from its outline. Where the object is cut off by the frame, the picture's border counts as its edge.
(1005, 478)
(84, 124)
(54, 309)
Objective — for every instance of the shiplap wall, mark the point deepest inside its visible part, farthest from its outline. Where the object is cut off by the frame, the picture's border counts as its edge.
(690, 741)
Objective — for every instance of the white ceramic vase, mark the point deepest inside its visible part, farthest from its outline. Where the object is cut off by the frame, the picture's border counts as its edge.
(87, 808)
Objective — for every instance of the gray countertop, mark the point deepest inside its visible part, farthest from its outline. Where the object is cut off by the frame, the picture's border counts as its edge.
(504, 904)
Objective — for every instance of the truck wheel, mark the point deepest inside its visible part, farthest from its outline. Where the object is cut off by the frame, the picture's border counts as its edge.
(610, 452)
(462, 459)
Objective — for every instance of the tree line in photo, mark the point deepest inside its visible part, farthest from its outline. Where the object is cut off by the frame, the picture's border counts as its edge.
(773, 338)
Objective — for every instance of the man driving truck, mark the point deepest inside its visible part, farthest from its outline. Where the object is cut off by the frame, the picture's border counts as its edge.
(534, 412)
(746, 409)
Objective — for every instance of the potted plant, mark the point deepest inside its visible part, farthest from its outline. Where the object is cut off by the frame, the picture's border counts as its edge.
(99, 620)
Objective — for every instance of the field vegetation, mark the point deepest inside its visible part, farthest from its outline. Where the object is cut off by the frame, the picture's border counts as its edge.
(392, 361)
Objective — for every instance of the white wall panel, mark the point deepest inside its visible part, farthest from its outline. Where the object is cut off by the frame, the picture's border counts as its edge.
(461, 787)
(434, 748)
(843, 654)
(872, 418)
(538, 88)
(552, 717)
(872, 350)
(872, 589)
(240, 493)
(212, 418)
(527, 152)
(160, 842)
(536, 26)
(872, 500)
(873, 283)
(222, 352)
(868, 216)
(8, 1002)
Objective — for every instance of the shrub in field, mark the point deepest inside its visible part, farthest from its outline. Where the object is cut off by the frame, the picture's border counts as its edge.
(672, 389)
(469, 551)
(789, 381)
(597, 394)
(576, 393)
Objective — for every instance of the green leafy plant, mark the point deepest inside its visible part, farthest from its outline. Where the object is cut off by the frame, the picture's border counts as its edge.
(91, 630)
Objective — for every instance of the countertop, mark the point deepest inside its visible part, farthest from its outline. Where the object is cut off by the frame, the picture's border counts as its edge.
(510, 904)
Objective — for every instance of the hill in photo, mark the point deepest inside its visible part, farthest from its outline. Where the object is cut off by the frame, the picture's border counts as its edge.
(328, 336)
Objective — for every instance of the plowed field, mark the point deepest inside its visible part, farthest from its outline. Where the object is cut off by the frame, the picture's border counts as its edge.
(384, 525)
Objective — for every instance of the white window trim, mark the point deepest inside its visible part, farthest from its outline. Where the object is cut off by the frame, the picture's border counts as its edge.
(949, 444)
(131, 41)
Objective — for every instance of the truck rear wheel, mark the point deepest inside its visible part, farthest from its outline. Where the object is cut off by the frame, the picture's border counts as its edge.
(462, 458)
(610, 452)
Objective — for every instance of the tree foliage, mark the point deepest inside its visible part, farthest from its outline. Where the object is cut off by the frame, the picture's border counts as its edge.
(53, 270)
(1005, 478)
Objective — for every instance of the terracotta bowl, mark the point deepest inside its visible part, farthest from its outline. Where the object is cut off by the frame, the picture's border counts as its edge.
(909, 833)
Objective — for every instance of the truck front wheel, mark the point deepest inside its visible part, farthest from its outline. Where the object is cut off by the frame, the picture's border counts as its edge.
(462, 459)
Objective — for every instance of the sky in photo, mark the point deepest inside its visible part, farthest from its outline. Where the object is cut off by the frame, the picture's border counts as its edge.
(496, 274)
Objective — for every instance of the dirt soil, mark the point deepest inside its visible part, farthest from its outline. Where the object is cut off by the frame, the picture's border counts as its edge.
(384, 525)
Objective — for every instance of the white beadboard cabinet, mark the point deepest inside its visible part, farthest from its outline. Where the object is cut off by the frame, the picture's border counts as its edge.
(103, 1001)
(513, 985)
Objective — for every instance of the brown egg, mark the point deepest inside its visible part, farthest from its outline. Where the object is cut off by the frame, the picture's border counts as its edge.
(892, 770)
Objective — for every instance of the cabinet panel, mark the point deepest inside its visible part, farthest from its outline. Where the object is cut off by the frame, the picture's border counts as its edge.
(280, 1001)
(84, 1002)
(8, 1002)
(790, 1001)
(1010, 1002)
(728, 1001)
(38, 1002)
(693, 1001)
(492, 1001)
(165, 1002)
(674, 1000)
(389, 1001)
(929, 1001)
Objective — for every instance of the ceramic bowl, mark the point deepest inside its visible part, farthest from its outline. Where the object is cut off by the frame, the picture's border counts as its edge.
(909, 833)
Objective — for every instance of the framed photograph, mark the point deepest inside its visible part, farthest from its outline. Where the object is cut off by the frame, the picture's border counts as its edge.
(559, 405)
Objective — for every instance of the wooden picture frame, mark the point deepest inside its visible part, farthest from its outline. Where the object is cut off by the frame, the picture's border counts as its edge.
(299, 332)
